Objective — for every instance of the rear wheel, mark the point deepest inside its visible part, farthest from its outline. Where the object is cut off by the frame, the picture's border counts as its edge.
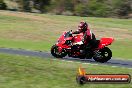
(55, 53)
(103, 55)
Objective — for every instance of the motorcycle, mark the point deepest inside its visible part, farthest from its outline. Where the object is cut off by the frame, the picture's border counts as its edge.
(73, 47)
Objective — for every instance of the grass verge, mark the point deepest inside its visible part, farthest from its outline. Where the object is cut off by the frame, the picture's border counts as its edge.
(34, 72)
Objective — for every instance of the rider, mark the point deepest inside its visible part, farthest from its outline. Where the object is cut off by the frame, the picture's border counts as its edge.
(88, 37)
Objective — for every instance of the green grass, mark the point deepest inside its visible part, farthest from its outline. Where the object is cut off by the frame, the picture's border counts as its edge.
(44, 46)
(122, 49)
(33, 72)
(41, 31)
(99, 22)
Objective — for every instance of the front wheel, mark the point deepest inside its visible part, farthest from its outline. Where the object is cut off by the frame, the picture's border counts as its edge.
(55, 53)
(103, 55)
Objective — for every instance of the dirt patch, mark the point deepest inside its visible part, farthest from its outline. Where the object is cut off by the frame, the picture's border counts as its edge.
(44, 25)
(20, 35)
(116, 33)
(28, 16)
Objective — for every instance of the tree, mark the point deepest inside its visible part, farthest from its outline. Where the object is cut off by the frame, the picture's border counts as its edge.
(3, 5)
(120, 7)
(41, 5)
(98, 8)
(60, 6)
(26, 6)
(92, 8)
(81, 10)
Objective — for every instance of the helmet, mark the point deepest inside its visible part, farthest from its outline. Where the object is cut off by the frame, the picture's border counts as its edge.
(82, 27)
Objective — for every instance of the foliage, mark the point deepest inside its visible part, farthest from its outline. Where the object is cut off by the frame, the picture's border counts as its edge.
(92, 8)
(61, 6)
(2, 5)
(121, 7)
(98, 8)
(81, 10)
(41, 5)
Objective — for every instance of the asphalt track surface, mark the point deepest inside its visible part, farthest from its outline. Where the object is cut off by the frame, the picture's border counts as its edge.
(113, 62)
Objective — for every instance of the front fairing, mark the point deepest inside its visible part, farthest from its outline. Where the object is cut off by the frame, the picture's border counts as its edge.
(62, 38)
(61, 41)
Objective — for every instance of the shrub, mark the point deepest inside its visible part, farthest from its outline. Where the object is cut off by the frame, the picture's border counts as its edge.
(81, 10)
(3, 5)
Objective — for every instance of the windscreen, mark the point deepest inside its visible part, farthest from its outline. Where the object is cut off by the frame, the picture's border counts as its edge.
(68, 34)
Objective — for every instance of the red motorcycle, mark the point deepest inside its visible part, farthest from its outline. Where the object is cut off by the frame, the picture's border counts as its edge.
(73, 47)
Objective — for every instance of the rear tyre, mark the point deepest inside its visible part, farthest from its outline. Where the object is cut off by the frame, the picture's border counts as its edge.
(55, 53)
(104, 55)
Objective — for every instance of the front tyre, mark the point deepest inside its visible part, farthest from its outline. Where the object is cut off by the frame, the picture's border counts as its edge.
(103, 55)
(55, 53)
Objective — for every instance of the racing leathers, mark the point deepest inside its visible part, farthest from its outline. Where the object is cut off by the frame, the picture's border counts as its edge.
(89, 40)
